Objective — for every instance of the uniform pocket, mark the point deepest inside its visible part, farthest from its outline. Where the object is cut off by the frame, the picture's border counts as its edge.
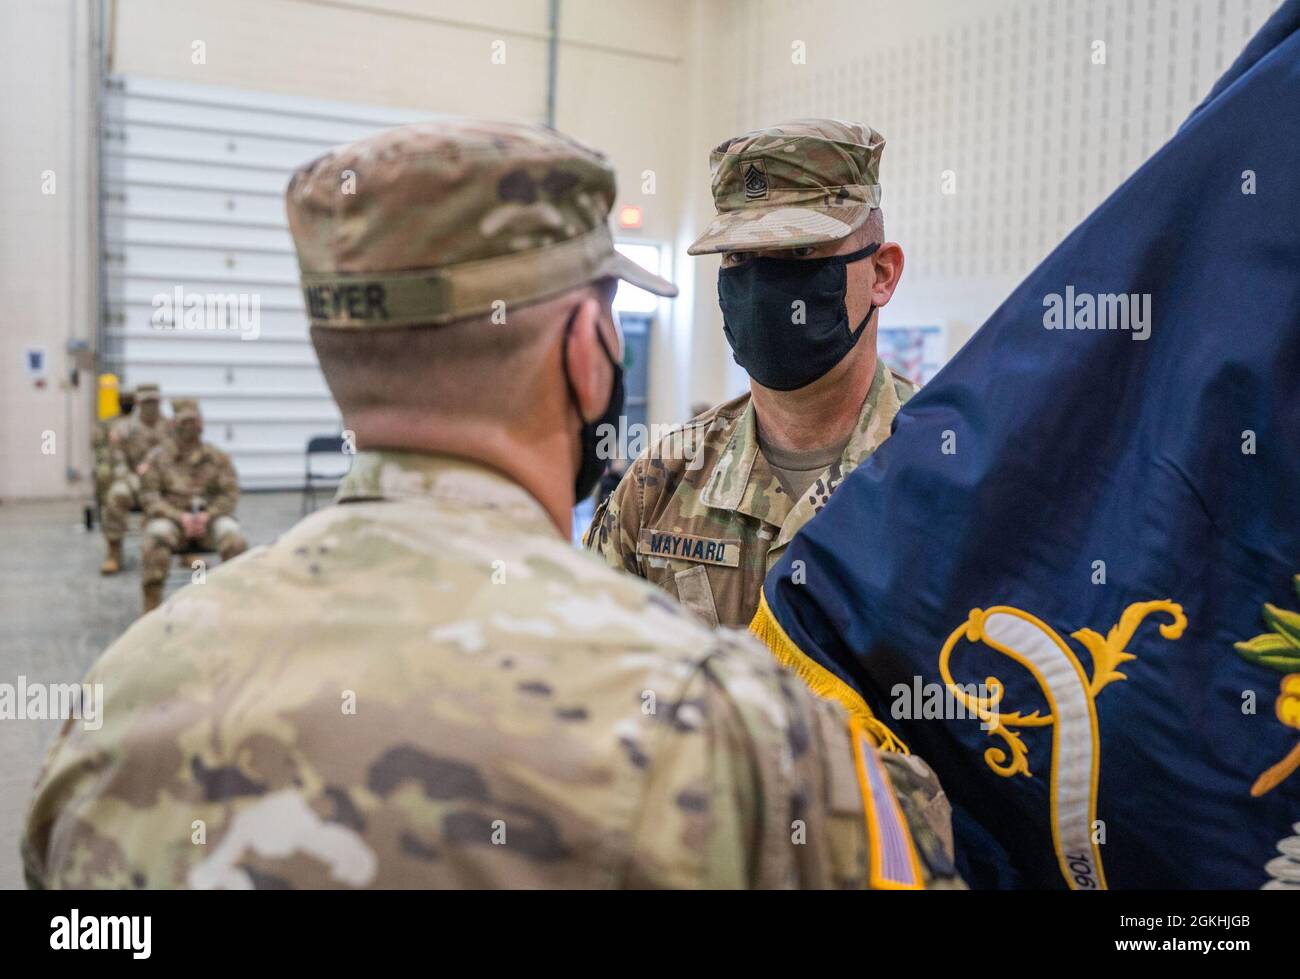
(694, 592)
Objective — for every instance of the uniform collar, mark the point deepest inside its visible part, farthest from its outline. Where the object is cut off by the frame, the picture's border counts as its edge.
(729, 482)
(874, 420)
(874, 423)
(428, 478)
(743, 480)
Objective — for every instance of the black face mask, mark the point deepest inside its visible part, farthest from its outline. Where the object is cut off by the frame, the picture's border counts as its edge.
(590, 465)
(758, 316)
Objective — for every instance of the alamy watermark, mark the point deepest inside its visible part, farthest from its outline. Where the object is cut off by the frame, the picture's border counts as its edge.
(624, 441)
(1098, 311)
(222, 311)
(127, 932)
(918, 701)
(23, 701)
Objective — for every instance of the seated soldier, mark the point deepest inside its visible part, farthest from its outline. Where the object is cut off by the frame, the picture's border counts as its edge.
(130, 440)
(189, 490)
(106, 434)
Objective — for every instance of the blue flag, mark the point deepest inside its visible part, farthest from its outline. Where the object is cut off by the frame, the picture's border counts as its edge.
(1068, 581)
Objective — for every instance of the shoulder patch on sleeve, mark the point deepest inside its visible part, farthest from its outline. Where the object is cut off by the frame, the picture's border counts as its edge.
(895, 864)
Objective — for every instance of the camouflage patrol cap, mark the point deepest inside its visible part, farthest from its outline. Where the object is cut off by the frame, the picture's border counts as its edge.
(438, 221)
(185, 408)
(805, 182)
(147, 392)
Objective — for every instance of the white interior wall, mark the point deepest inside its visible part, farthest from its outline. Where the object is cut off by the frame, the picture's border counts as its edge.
(423, 54)
(1001, 92)
(47, 241)
(627, 101)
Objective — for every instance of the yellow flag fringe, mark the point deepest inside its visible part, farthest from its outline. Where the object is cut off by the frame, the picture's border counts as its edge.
(823, 682)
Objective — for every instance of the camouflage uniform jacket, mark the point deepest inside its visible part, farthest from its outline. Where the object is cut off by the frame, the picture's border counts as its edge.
(704, 517)
(425, 685)
(175, 477)
(101, 444)
(133, 440)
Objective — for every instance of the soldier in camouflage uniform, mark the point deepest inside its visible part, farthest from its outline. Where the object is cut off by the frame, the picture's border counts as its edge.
(189, 491)
(425, 685)
(131, 442)
(101, 443)
(706, 513)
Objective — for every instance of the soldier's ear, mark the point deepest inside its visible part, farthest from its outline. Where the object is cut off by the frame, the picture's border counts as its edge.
(588, 367)
(888, 265)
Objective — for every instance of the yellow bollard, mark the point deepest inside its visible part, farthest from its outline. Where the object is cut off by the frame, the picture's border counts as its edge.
(108, 403)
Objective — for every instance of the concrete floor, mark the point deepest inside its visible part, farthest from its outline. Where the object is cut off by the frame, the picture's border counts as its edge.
(57, 615)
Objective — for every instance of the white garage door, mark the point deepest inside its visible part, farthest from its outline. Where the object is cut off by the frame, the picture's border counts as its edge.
(192, 186)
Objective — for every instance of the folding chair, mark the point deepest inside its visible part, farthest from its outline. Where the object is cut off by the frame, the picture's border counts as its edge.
(328, 447)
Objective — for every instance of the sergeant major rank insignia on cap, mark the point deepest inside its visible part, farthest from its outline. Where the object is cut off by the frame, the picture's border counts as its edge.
(755, 180)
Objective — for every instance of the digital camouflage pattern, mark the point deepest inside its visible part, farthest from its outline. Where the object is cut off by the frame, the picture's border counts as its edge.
(135, 440)
(179, 479)
(131, 443)
(176, 476)
(805, 182)
(709, 482)
(522, 214)
(425, 685)
(104, 436)
(101, 446)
